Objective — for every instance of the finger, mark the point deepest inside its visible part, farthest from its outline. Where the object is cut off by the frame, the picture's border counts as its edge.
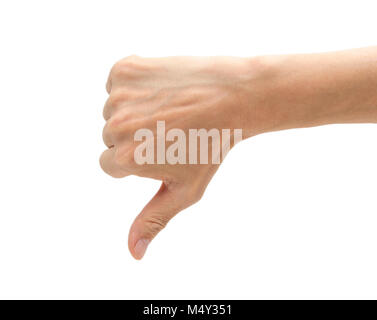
(123, 96)
(107, 137)
(107, 109)
(109, 165)
(153, 218)
(108, 84)
(116, 100)
(117, 66)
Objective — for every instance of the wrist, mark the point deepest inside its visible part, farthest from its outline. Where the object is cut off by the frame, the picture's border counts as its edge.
(260, 110)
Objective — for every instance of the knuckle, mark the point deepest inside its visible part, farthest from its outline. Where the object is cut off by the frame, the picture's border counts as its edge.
(102, 161)
(155, 224)
(124, 158)
(121, 97)
(119, 69)
(124, 67)
(107, 137)
(116, 98)
(106, 113)
(115, 124)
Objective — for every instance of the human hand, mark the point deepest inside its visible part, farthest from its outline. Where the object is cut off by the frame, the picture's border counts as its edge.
(187, 93)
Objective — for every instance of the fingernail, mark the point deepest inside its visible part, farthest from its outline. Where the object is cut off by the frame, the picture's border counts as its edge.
(140, 248)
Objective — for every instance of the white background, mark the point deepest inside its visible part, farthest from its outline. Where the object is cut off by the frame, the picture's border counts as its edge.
(289, 215)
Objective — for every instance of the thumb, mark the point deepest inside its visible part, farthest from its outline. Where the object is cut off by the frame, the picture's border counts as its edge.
(166, 203)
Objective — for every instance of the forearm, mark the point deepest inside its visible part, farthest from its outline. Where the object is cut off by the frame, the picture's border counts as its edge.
(316, 89)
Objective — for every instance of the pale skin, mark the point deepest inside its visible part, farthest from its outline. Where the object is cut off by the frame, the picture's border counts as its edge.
(257, 95)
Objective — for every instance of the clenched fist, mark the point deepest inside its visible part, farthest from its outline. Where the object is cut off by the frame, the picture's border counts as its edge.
(159, 115)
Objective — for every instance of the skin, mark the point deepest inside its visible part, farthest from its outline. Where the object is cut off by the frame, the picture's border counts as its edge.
(259, 94)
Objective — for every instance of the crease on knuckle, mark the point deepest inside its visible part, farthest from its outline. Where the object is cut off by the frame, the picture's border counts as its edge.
(125, 159)
(118, 122)
(112, 127)
(117, 98)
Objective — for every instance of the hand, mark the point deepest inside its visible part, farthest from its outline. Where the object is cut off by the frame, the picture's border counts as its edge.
(186, 93)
